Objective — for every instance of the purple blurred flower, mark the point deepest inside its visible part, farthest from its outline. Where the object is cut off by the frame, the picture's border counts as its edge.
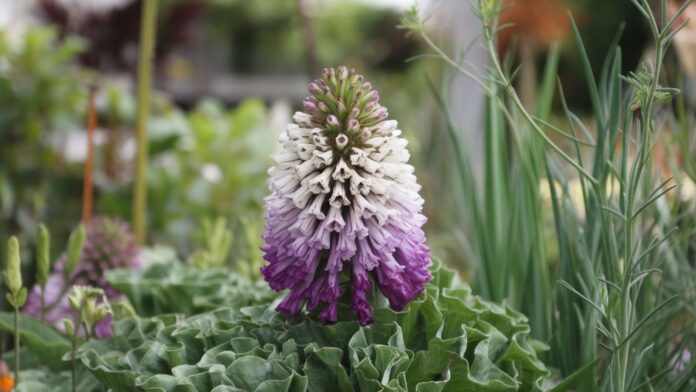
(109, 245)
(344, 200)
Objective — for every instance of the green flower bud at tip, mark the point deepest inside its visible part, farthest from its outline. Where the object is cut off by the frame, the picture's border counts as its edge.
(43, 255)
(21, 298)
(92, 312)
(99, 313)
(10, 298)
(68, 326)
(74, 302)
(13, 274)
(123, 309)
(75, 244)
(81, 295)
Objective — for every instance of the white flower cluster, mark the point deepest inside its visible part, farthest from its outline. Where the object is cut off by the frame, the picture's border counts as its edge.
(317, 171)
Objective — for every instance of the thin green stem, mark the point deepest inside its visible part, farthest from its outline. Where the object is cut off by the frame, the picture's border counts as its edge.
(43, 304)
(454, 64)
(16, 344)
(74, 364)
(74, 346)
(146, 51)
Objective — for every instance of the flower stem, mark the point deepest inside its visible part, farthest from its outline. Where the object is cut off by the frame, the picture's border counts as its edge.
(16, 344)
(74, 365)
(146, 51)
(43, 304)
(74, 346)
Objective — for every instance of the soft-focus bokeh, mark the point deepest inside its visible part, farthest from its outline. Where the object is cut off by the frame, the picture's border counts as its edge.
(228, 75)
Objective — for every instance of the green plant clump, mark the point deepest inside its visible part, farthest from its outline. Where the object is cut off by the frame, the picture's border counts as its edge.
(172, 287)
(447, 340)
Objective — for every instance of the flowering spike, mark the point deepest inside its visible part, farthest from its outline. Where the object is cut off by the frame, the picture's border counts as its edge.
(43, 255)
(13, 273)
(344, 202)
(75, 243)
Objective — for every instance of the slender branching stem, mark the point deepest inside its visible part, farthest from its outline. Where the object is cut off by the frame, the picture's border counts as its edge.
(489, 38)
(509, 89)
(626, 319)
(446, 58)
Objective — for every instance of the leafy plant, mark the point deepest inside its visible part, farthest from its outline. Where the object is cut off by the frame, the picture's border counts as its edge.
(39, 338)
(447, 340)
(40, 95)
(218, 241)
(215, 159)
(83, 300)
(169, 286)
(618, 301)
(42, 380)
(103, 244)
(625, 296)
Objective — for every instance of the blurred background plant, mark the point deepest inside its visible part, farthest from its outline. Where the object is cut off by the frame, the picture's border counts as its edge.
(216, 160)
(214, 155)
(42, 98)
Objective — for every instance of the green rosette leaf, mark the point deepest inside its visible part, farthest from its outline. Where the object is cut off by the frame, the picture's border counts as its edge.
(446, 340)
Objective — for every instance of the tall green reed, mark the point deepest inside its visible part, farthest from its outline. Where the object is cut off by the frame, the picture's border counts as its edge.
(146, 52)
(605, 304)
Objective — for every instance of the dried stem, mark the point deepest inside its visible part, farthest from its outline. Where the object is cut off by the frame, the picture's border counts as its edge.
(88, 189)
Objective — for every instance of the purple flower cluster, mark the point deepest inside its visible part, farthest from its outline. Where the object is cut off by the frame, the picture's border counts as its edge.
(344, 202)
(109, 244)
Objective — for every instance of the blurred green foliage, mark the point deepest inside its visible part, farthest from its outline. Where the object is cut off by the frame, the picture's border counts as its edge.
(218, 241)
(38, 85)
(218, 166)
(206, 163)
(214, 157)
(267, 36)
(41, 93)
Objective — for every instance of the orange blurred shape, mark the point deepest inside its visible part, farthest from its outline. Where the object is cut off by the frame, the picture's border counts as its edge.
(6, 383)
(538, 22)
(685, 40)
(6, 380)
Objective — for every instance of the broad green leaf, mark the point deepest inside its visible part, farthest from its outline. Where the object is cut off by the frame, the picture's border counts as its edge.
(39, 338)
